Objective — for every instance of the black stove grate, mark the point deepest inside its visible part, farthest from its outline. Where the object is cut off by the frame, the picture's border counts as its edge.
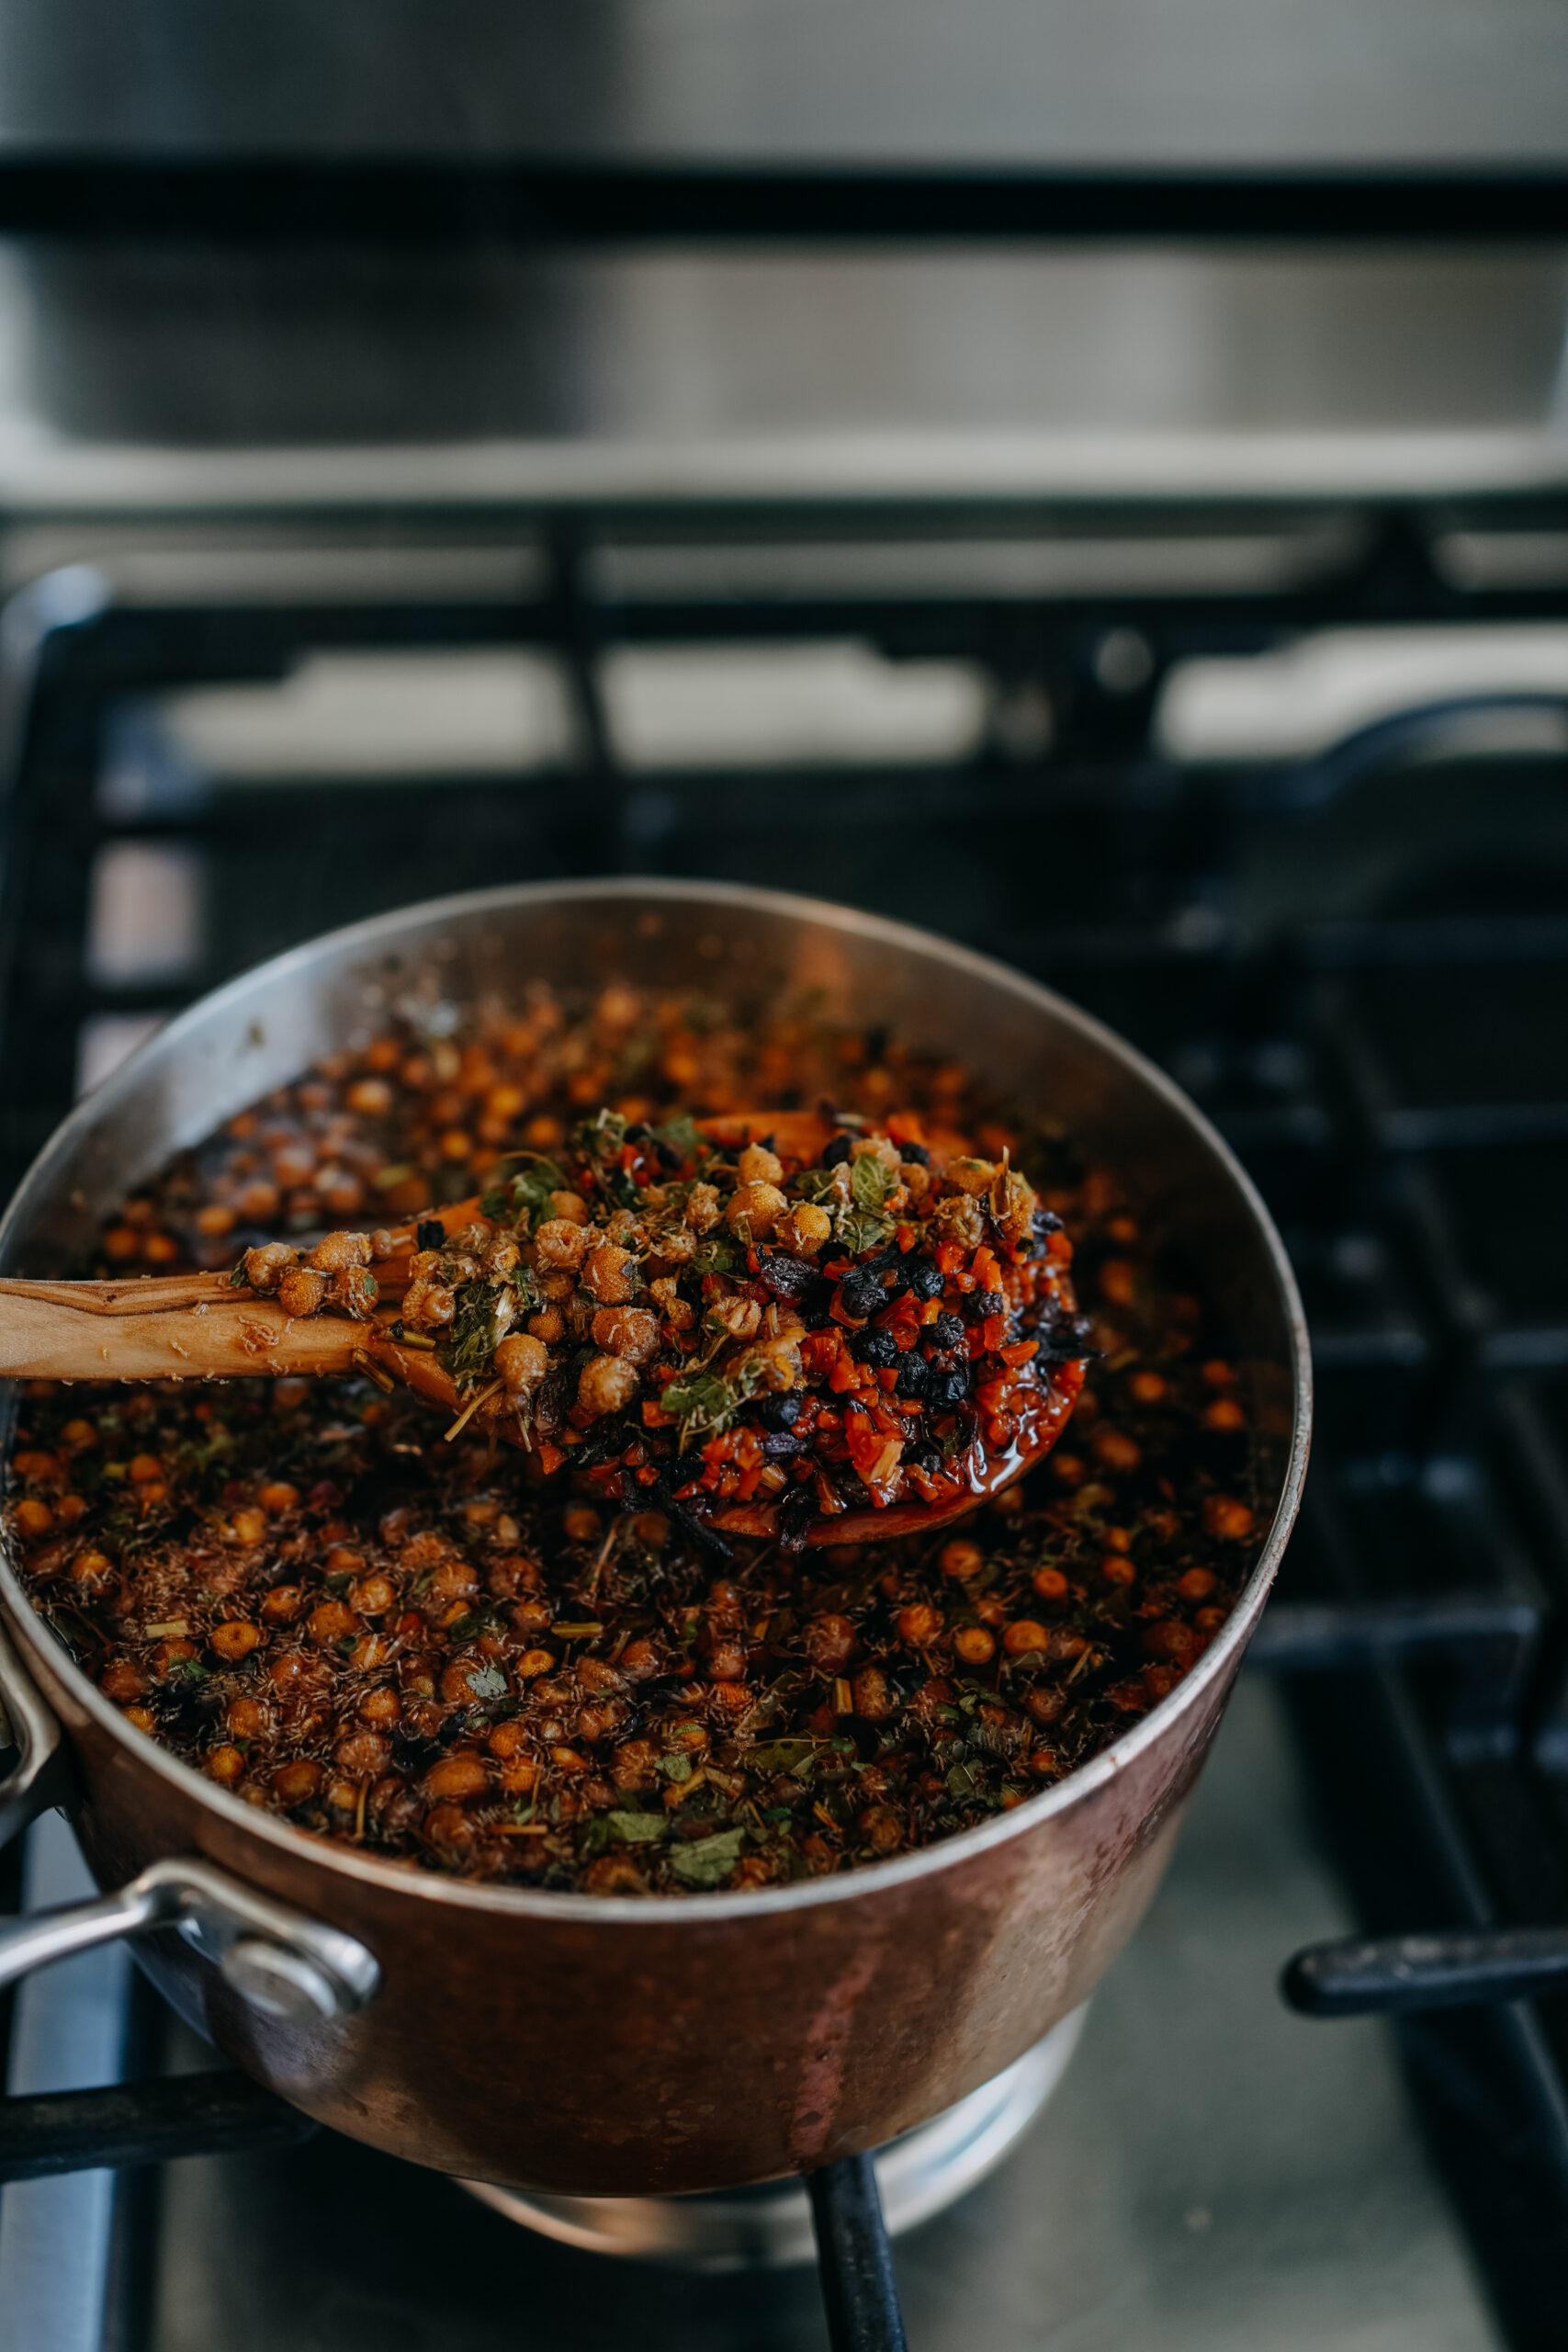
(1359, 970)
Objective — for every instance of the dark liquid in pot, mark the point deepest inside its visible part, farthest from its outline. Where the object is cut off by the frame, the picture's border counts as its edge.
(304, 1591)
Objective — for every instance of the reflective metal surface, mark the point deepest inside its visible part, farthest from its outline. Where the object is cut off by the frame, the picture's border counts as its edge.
(1103, 81)
(159, 377)
(768, 2227)
(283, 1965)
(1211, 2175)
(849, 2008)
(68, 2029)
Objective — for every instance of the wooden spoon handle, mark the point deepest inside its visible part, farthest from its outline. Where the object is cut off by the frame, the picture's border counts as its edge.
(48, 1333)
(203, 1328)
(132, 1295)
(145, 1334)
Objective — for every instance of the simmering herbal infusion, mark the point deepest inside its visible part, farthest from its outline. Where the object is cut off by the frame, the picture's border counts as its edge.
(615, 1659)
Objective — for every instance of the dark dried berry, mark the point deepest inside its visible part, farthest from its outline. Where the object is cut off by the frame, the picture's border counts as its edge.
(603, 1445)
(947, 1387)
(813, 1305)
(861, 1292)
(925, 1279)
(984, 1303)
(914, 1374)
(430, 1233)
(779, 1412)
(947, 1330)
(837, 1148)
(797, 1508)
(1063, 1338)
(879, 1347)
(786, 1277)
(916, 1152)
(1045, 1221)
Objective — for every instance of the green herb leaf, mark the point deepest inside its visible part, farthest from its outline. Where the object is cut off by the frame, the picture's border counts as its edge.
(872, 1184)
(487, 1682)
(860, 1230)
(964, 1783)
(702, 1400)
(708, 1861)
(600, 1140)
(601, 1136)
(676, 1767)
(638, 1828)
(239, 1278)
(716, 1257)
(780, 1756)
(531, 1187)
(682, 1135)
(819, 1184)
(471, 1336)
(529, 1296)
(706, 1402)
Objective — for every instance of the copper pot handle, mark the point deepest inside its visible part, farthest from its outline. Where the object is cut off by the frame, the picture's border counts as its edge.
(283, 1964)
(38, 1778)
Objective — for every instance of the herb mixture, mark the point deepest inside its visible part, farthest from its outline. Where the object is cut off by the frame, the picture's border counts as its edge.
(306, 1592)
(901, 1319)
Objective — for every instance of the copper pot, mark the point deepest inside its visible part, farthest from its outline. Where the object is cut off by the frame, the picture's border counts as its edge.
(609, 2045)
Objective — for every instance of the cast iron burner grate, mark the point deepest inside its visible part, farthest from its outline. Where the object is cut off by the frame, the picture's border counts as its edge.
(1358, 969)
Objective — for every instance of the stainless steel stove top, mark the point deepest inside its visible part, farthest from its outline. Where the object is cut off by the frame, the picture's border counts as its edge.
(1212, 2172)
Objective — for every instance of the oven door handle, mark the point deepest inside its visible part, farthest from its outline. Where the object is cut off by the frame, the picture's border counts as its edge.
(283, 1964)
(41, 1775)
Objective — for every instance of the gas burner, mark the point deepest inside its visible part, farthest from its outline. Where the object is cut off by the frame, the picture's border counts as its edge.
(768, 2227)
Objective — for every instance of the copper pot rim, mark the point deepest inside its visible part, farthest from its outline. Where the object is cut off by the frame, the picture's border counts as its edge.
(867, 1879)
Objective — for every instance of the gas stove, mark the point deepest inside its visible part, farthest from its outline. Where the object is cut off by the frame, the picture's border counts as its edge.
(1274, 786)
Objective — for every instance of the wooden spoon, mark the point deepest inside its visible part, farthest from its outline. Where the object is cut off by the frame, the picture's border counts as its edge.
(150, 1326)
(199, 1327)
